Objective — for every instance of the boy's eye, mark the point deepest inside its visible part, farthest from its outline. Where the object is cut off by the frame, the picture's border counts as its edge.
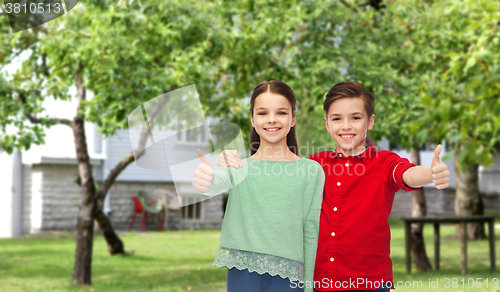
(282, 113)
(356, 118)
(261, 114)
(336, 119)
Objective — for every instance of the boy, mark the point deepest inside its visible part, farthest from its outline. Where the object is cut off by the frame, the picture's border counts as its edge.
(354, 237)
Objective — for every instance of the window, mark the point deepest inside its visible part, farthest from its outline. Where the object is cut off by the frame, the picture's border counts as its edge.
(191, 212)
(193, 136)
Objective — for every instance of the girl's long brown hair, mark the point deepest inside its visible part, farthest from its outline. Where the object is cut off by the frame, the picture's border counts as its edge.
(276, 87)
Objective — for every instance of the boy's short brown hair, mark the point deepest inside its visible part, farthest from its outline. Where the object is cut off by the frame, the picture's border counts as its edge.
(349, 89)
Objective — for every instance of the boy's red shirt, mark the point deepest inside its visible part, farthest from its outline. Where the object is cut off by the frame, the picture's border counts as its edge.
(354, 237)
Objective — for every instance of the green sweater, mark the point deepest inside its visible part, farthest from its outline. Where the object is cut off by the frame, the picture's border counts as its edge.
(273, 209)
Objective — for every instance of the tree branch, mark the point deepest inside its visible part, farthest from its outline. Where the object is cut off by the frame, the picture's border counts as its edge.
(81, 92)
(110, 179)
(113, 174)
(35, 120)
(44, 65)
(349, 5)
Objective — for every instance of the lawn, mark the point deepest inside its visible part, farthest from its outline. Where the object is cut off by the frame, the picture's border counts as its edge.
(182, 261)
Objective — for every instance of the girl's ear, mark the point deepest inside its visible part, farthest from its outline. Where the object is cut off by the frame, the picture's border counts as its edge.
(293, 121)
(251, 119)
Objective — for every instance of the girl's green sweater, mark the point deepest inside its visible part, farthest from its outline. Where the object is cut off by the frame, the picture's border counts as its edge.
(273, 209)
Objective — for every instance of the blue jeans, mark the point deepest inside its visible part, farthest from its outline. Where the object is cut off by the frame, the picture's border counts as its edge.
(244, 281)
(383, 288)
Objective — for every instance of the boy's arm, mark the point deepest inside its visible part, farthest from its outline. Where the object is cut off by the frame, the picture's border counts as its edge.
(438, 173)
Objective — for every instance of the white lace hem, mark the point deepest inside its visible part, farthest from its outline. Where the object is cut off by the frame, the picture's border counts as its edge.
(260, 263)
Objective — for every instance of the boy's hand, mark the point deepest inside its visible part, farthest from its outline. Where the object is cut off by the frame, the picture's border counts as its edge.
(440, 173)
(229, 158)
(203, 175)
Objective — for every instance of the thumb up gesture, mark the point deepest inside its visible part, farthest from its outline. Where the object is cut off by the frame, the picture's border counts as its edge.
(439, 170)
(203, 175)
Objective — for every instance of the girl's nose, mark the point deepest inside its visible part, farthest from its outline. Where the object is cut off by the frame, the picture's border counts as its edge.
(272, 119)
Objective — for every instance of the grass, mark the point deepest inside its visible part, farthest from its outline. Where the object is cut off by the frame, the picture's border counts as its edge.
(182, 261)
(477, 258)
(162, 261)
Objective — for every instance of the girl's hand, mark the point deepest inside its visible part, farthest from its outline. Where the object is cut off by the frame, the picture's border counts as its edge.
(229, 158)
(439, 170)
(203, 175)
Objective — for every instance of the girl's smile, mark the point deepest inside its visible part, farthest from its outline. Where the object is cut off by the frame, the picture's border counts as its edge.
(272, 129)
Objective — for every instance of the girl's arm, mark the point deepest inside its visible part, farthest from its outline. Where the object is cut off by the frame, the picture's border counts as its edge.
(209, 182)
(229, 158)
(311, 228)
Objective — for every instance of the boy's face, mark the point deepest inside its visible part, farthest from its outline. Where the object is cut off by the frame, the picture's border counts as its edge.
(347, 122)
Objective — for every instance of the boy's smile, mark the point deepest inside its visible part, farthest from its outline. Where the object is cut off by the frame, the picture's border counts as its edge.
(347, 123)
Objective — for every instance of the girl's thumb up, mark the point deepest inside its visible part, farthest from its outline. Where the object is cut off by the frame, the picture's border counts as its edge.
(203, 175)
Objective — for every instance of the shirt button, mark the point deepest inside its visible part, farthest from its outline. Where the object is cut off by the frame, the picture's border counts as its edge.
(334, 208)
(333, 233)
(331, 259)
(339, 184)
(340, 155)
(347, 164)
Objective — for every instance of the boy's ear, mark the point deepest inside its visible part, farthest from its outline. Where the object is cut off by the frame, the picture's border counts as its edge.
(371, 121)
(326, 124)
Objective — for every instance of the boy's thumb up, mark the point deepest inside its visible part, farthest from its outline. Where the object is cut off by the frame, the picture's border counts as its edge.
(435, 159)
(439, 170)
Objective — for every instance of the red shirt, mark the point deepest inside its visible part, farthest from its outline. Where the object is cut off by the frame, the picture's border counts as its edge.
(354, 237)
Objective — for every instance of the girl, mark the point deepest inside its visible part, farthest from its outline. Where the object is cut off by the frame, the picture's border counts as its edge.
(270, 230)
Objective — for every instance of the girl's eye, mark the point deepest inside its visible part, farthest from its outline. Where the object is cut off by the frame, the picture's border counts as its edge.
(282, 113)
(261, 114)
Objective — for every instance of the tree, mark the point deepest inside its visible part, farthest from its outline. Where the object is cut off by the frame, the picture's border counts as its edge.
(124, 53)
(435, 66)
(461, 93)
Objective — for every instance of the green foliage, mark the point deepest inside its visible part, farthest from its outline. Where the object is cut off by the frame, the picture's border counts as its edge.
(435, 71)
(126, 53)
(432, 65)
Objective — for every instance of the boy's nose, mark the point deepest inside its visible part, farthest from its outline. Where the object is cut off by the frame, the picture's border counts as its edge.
(346, 126)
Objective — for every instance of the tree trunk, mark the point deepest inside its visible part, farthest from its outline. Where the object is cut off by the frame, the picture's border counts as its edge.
(419, 208)
(115, 245)
(85, 226)
(467, 199)
(90, 201)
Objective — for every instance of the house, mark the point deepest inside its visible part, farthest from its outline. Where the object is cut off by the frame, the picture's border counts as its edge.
(38, 190)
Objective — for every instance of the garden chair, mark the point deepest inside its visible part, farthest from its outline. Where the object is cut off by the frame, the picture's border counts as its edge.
(144, 205)
(170, 203)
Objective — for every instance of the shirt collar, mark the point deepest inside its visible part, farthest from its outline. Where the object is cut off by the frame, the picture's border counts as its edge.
(366, 155)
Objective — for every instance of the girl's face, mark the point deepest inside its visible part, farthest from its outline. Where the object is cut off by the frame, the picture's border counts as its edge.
(272, 117)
